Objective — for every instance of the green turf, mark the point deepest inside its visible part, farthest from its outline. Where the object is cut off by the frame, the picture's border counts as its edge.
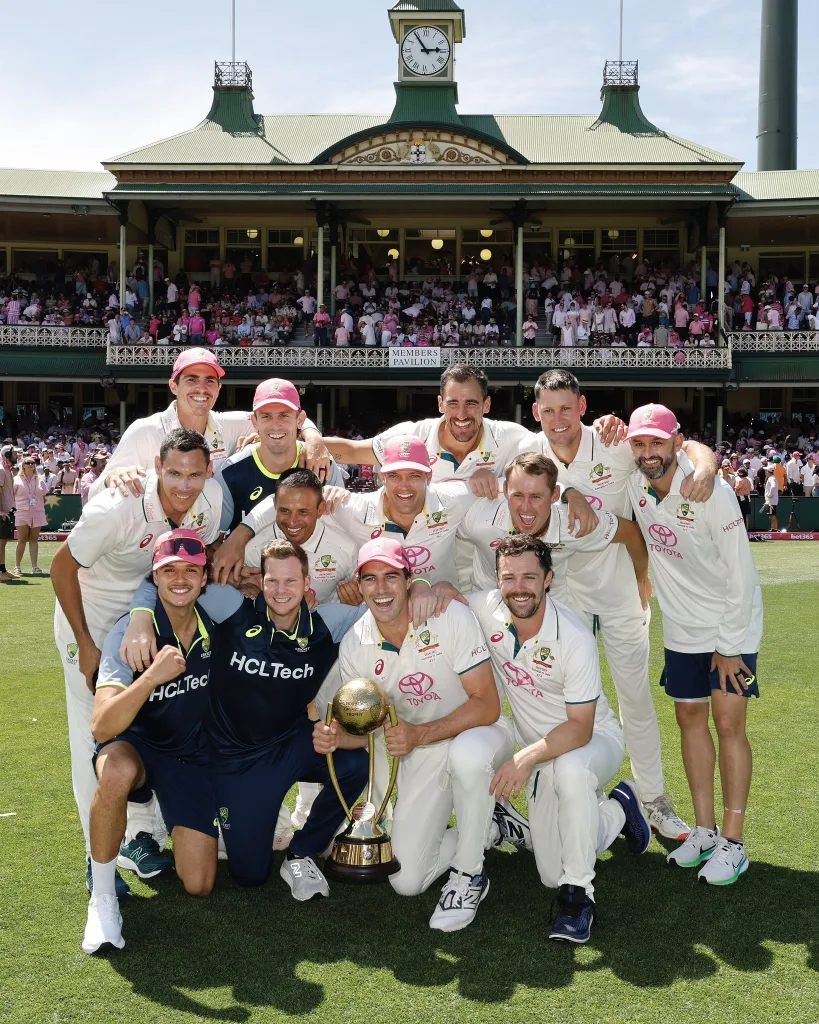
(666, 950)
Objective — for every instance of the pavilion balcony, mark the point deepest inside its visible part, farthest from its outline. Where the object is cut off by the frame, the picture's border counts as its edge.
(774, 341)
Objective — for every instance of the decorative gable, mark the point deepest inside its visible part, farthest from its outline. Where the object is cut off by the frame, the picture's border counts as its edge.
(422, 147)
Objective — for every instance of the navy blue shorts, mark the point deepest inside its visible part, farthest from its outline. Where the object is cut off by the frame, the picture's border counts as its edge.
(186, 790)
(251, 792)
(689, 676)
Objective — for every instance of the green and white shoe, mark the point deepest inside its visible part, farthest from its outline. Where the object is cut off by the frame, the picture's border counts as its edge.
(698, 847)
(725, 865)
(142, 855)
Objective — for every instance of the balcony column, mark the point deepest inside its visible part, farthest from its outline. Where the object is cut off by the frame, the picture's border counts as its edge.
(333, 229)
(721, 286)
(122, 395)
(701, 394)
(719, 423)
(320, 416)
(519, 287)
(333, 405)
(150, 278)
(703, 261)
(320, 268)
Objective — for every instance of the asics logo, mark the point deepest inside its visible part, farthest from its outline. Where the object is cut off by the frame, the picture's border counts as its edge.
(417, 683)
(417, 556)
(517, 676)
(256, 494)
(663, 535)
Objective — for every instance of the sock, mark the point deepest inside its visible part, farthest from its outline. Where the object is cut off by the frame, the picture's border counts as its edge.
(104, 876)
(736, 842)
(3, 567)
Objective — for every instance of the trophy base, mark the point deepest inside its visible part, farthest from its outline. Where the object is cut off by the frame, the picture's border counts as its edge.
(361, 861)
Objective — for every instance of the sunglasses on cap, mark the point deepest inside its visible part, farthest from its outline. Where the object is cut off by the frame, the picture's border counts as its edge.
(193, 547)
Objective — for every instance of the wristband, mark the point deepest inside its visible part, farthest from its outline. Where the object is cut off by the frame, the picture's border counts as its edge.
(563, 493)
(420, 579)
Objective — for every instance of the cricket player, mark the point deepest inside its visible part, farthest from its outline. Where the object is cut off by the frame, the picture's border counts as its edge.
(252, 474)
(451, 736)
(709, 594)
(528, 506)
(424, 515)
(601, 587)
(272, 656)
(195, 383)
(545, 662)
(149, 728)
(94, 574)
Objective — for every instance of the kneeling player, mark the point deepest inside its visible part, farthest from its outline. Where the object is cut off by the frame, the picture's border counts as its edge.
(546, 660)
(450, 735)
(149, 730)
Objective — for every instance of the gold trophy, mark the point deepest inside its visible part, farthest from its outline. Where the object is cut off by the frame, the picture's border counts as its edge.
(362, 852)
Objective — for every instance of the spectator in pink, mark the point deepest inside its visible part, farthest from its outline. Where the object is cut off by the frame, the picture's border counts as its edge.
(194, 299)
(321, 321)
(681, 320)
(196, 327)
(29, 513)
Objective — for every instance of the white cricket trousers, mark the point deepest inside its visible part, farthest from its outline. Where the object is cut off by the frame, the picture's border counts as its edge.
(625, 641)
(571, 818)
(80, 707)
(435, 781)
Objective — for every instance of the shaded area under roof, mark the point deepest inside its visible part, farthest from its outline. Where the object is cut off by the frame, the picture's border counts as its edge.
(52, 363)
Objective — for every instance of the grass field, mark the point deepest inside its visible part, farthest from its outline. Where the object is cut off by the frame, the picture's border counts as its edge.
(667, 950)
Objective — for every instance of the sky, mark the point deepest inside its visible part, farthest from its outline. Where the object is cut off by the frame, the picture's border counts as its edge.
(90, 80)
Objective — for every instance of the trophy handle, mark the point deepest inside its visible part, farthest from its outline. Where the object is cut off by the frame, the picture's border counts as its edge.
(393, 772)
(332, 769)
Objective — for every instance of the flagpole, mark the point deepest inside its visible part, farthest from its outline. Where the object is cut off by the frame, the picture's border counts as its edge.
(621, 31)
(233, 29)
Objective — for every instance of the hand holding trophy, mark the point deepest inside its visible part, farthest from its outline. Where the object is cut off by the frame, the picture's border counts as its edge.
(362, 852)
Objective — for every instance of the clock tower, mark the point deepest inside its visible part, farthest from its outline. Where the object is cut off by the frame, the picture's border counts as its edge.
(427, 32)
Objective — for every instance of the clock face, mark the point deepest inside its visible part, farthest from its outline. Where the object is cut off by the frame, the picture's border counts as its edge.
(425, 50)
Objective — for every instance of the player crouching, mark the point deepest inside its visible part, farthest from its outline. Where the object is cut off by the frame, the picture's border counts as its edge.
(545, 658)
(148, 728)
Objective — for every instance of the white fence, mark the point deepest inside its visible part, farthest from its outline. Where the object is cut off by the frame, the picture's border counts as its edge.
(55, 337)
(378, 358)
(774, 341)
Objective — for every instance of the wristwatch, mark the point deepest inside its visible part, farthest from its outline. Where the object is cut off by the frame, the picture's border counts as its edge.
(564, 493)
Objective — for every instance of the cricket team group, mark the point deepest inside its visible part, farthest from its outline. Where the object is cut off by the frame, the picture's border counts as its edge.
(222, 584)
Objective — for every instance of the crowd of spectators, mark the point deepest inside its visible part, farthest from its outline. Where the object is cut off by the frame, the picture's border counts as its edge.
(619, 303)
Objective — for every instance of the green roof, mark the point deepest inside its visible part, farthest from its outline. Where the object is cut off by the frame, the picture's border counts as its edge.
(24, 181)
(427, 6)
(766, 186)
(541, 139)
(52, 363)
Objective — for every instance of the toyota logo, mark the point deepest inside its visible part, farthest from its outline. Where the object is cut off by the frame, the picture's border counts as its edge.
(418, 683)
(417, 556)
(663, 535)
(517, 676)
(595, 502)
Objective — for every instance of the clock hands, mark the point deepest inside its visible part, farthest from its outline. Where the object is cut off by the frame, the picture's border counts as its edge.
(422, 45)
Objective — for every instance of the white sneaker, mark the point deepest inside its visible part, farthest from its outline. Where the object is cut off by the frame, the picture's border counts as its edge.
(103, 928)
(461, 896)
(221, 850)
(508, 826)
(699, 846)
(664, 819)
(304, 877)
(725, 865)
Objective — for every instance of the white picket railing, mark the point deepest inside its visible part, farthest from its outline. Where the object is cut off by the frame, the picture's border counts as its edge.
(378, 358)
(55, 337)
(774, 341)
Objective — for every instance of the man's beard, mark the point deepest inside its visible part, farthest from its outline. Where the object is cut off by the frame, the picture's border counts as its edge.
(661, 470)
(536, 603)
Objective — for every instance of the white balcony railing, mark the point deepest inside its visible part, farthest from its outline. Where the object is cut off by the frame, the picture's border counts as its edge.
(60, 337)
(378, 358)
(774, 341)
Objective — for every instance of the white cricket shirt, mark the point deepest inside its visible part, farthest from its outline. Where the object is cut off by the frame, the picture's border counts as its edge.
(430, 542)
(540, 677)
(423, 678)
(595, 582)
(330, 553)
(489, 522)
(499, 444)
(114, 542)
(703, 570)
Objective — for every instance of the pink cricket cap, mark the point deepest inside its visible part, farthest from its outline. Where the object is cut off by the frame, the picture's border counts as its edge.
(277, 390)
(405, 453)
(654, 420)
(195, 357)
(383, 549)
(179, 546)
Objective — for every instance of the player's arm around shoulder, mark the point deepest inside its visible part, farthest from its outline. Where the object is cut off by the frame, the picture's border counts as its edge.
(119, 696)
